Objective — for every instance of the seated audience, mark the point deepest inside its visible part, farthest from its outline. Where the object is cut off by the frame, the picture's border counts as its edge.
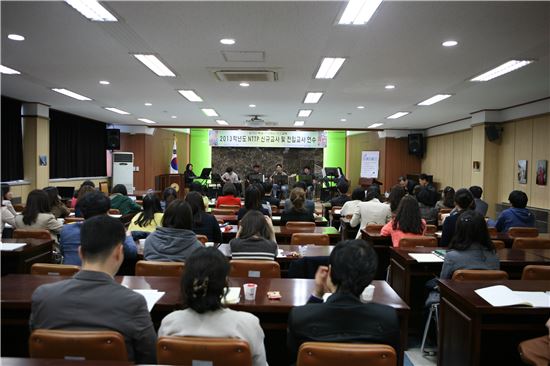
(203, 223)
(92, 204)
(86, 183)
(463, 201)
(175, 240)
(268, 187)
(429, 190)
(203, 287)
(406, 223)
(252, 201)
(84, 190)
(37, 214)
(255, 238)
(58, 208)
(447, 200)
(343, 317)
(342, 197)
(263, 201)
(229, 196)
(396, 193)
(121, 201)
(298, 212)
(6, 199)
(168, 196)
(149, 219)
(481, 205)
(370, 212)
(407, 184)
(309, 205)
(93, 299)
(7, 217)
(517, 215)
(197, 187)
(357, 196)
(427, 209)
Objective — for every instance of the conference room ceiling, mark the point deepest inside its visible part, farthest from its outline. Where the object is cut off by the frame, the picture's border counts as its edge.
(400, 45)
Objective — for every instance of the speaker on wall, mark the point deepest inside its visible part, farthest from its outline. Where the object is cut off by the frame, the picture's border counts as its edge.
(493, 132)
(416, 144)
(113, 139)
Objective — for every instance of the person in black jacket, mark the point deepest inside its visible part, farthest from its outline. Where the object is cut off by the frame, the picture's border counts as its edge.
(298, 211)
(343, 317)
(203, 223)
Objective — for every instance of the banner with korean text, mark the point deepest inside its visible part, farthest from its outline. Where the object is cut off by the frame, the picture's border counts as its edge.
(284, 139)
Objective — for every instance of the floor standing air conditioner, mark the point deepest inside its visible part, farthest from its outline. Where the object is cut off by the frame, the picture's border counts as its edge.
(123, 170)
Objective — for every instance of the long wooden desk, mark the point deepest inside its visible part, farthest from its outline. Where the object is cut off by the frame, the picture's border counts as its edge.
(283, 234)
(472, 332)
(17, 291)
(21, 260)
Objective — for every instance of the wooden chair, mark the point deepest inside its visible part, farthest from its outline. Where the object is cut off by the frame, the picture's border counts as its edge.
(445, 210)
(156, 268)
(32, 234)
(373, 228)
(86, 345)
(418, 241)
(19, 207)
(348, 354)
(479, 275)
(309, 238)
(492, 231)
(222, 211)
(531, 243)
(533, 272)
(104, 188)
(523, 232)
(212, 351)
(254, 268)
(54, 269)
(72, 220)
(535, 351)
(430, 230)
(233, 208)
(202, 238)
(498, 244)
(300, 225)
(114, 211)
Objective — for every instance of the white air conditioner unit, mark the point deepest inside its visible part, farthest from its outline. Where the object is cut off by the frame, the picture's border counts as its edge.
(123, 170)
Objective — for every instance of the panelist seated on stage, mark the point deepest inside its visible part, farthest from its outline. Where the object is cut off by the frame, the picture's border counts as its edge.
(230, 176)
(203, 223)
(298, 211)
(203, 287)
(343, 317)
(255, 176)
(252, 201)
(279, 178)
(189, 174)
(309, 205)
(370, 212)
(229, 197)
(255, 238)
(93, 299)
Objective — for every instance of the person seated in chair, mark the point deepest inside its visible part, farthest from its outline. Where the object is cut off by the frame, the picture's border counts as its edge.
(276, 186)
(121, 201)
(309, 205)
(298, 211)
(372, 211)
(517, 215)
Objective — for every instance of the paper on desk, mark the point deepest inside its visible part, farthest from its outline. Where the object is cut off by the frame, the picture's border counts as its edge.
(502, 296)
(275, 218)
(151, 296)
(233, 295)
(280, 253)
(426, 257)
(538, 299)
(8, 247)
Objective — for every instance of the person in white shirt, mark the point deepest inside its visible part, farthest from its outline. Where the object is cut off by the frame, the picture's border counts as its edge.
(357, 196)
(6, 199)
(203, 286)
(230, 176)
(370, 212)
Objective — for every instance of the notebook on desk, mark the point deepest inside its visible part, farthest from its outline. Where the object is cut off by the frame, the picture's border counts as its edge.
(500, 295)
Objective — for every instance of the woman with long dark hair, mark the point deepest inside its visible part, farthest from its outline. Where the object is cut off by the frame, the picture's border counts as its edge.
(229, 196)
(6, 199)
(298, 212)
(188, 174)
(396, 193)
(58, 208)
(150, 218)
(447, 199)
(203, 223)
(252, 201)
(255, 238)
(406, 223)
(37, 214)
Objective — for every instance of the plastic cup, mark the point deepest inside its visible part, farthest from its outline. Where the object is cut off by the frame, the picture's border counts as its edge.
(250, 291)
(367, 294)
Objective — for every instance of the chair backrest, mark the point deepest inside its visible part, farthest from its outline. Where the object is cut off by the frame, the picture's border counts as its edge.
(492, 231)
(479, 275)
(373, 228)
(300, 225)
(32, 234)
(202, 238)
(445, 210)
(499, 244)
(215, 351)
(309, 238)
(155, 268)
(533, 272)
(348, 354)
(233, 208)
(531, 243)
(54, 269)
(222, 211)
(114, 211)
(88, 345)
(418, 241)
(254, 268)
(523, 232)
(18, 207)
(72, 220)
(430, 230)
(104, 187)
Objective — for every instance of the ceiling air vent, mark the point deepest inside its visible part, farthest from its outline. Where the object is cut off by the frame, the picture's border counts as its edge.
(246, 75)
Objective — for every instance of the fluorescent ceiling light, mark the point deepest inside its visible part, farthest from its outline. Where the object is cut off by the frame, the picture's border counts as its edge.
(244, 84)
(252, 105)
(329, 67)
(116, 110)
(389, 86)
(398, 115)
(343, 120)
(312, 97)
(174, 117)
(374, 125)
(209, 112)
(104, 82)
(70, 94)
(435, 99)
(147, 104)
(92, 10)
(299, 123)
(190, 95)
(359, 12)
(16, 37)
(449, 43)
(502, 69)
(222, 122)
(155, 65)
(7, 70)
(304, 112)
(146, 120)
(360, 107)
(227, 41)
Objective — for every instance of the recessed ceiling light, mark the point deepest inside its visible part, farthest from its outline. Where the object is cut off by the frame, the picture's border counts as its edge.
(190, 95)
(222, 122)
(329, 67)
(252, 105)
(398, 115)
(312, 97)
(390, 86)
(304, 112)
(244, 84)
(104, 82)
(92, 10)
(116, 110)
(155, 65)
(360, 107)
(146, 120)
(148, 104)
(227, 41)
(209, 112)
(16, 37)
(299, 123)
(174, 117)
(435, 99)
(502, 69)
(8, 71)
(374, 125)
(70, 94)
(343, 120)
(449, 43)
(359, 12)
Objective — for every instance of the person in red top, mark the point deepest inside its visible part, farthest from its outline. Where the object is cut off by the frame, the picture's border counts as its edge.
(229, 196)
(406, 223)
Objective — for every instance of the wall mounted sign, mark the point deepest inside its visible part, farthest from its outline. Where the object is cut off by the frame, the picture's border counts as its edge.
(284, 139)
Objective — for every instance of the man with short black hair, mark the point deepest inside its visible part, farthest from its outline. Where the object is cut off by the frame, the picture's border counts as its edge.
(481, 205)
(343, 317)
(92, 299)
(370, 212)
(464, 200)
(517, 215)
(278, 181)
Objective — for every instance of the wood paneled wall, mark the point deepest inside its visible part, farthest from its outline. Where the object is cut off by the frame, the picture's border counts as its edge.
(398, 162)
(367, 141)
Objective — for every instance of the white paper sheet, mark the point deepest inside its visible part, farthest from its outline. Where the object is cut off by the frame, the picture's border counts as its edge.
(151, 296)
(538, 299)
(275, 218)
(280, 253)
(233, 295)
(426, 257)
(502, 296)
(8, 247)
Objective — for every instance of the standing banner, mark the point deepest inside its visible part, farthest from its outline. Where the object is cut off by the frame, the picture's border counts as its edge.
(174, 160)
(369, 164)
(246, 138)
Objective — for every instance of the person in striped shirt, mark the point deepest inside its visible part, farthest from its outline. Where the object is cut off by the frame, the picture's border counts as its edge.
(255, 238)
